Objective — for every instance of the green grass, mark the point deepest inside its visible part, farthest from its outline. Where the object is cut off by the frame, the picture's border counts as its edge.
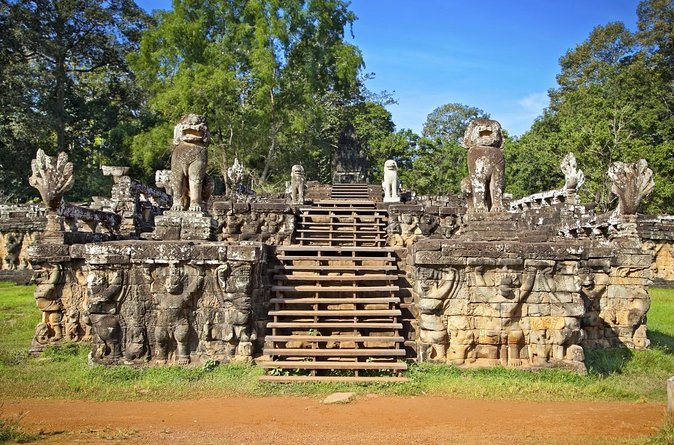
(11, 432)
(62, 372)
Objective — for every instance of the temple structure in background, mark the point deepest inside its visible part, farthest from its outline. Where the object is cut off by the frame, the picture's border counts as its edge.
(348, 281)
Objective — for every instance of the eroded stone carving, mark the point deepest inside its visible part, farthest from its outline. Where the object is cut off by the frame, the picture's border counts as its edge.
(297, 184)
(189, 161)
(434, 287)
(390, 183)
(236, 189)
(631, 184)
(574, 178)
(486, 164)
(235, 286)
(13, 243)
(47, 294)
(104, 289)
(172, 327)
(52, 177)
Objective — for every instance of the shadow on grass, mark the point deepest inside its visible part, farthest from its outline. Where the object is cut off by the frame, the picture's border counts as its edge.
(661, 340)
(603, 362)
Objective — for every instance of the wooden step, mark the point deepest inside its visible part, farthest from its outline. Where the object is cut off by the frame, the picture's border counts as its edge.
(308, 277)
(334, 352)
(321, 211)
(343, 300)
(333, 248)
(335, 268)
(398, 366)
(334, 338)
(350, 231)
(342, 202)
(334, 325)
(330, 379)
(337, 223)
(387, 259)
(357, 238)
(336, 313)
(307, 288)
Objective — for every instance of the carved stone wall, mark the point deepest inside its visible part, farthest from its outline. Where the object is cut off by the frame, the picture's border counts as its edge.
(270, 223)
(518, 289)
(20, 227)
(143, 301)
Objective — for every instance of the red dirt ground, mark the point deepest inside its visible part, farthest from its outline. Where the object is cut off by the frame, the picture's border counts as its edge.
(368, 419)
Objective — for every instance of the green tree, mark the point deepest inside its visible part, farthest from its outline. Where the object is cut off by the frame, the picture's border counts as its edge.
(377, 134)
(273, 77)
(449, 122)
(73, 89)
(614, 102)
(439, 162)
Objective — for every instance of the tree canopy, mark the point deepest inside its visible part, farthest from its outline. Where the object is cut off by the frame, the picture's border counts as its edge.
(614, 102)
(279, 83)
(275, 79)
(66, 85)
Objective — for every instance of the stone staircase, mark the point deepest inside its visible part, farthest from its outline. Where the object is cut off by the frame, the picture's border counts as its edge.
(334, 312)
(349, 192)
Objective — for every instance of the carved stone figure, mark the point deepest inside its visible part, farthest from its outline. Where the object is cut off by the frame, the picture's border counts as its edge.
(631, 184)
(173, 323)
(189, 161)
(103, 314)
(409, 228)
(297, 184)
(72, 325)
(52, 178)
(486, 164)
(286, 230)
(162, 179)
(234, 180)
(252, 227)
(48, 300)
(235, 284)
(573, 177)
(467, 192)
(427, 224)
(434, 288)
(390, 183)
(13, 248)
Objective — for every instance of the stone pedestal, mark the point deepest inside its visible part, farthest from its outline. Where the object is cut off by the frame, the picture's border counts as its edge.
(174, 225)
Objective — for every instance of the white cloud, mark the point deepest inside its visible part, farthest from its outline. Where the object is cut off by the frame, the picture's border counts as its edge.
(534, 103)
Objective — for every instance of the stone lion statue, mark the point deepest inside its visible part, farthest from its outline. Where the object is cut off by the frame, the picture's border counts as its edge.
(486, 164)
(390, 183)
(297, 184)
(189, 161)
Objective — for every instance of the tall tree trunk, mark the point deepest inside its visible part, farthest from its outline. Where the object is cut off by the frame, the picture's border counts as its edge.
(60, 117)
(272, 143)
(270, 154)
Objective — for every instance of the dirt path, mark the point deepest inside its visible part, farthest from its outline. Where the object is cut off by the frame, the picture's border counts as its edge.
(366, 420)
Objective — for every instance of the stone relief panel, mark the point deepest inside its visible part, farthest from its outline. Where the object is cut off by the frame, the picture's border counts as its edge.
(527, 310)
(166, 306)
(267, 226)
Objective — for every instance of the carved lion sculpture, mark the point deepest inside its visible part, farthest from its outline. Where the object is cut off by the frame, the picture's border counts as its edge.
(189, 161)
(390, 183)
(297, 184)
(486, 164)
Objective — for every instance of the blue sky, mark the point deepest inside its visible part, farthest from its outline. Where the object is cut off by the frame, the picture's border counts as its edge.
(497, 55)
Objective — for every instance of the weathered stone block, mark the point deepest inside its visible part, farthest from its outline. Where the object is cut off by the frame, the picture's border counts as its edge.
(431, 322)
(252, 252)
